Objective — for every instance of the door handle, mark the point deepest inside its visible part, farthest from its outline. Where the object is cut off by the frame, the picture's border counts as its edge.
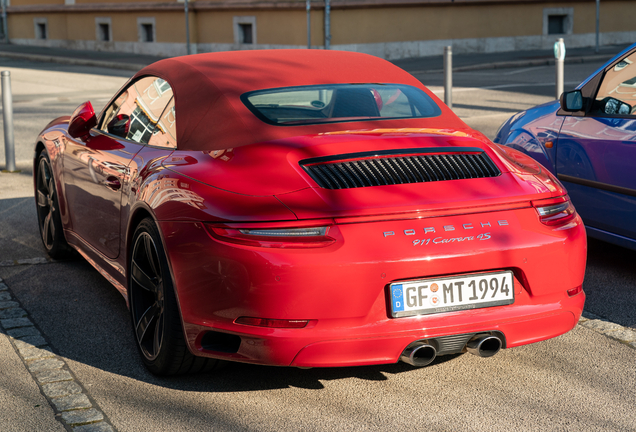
(112, 183)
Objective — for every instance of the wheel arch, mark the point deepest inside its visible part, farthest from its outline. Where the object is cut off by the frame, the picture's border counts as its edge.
(139, 213)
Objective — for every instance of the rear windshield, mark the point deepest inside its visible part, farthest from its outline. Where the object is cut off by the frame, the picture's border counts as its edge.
(288, 106)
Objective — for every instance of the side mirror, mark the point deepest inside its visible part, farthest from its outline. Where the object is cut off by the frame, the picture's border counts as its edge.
(571, 101)
(616, 107)
(82, 121)
(119, 125)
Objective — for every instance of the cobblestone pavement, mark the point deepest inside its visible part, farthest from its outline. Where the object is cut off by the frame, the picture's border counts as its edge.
(66, 395)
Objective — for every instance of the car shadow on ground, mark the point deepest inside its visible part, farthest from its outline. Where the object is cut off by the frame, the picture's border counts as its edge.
(610, 282)
(86, 320)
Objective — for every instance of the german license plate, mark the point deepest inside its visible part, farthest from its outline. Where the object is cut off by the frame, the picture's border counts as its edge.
(446, 294)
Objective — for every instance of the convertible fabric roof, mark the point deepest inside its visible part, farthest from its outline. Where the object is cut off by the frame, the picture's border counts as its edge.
(207, 89)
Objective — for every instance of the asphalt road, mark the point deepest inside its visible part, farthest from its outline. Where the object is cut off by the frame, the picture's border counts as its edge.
(581, 381)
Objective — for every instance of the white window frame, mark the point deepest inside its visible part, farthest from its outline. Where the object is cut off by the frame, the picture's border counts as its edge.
(36, 28)
(98, 32)
(237, 29)
(568, 24)
(140, 29)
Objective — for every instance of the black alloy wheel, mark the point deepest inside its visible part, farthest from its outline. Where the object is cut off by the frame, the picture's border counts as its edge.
(147, 296)
(49, 221)
(153, 306)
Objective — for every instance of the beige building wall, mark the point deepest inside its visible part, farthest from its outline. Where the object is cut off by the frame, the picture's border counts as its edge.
(389, 30)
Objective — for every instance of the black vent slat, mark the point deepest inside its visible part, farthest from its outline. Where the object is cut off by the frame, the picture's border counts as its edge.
(332, 171)
(363, 175)
(469, 169)
(349, 180)
(391, 175)
(441, 168)
(379, 180)
(415, 169)
(475, 164)
(484, 166)
(449, 166)
(407, 170)
(428, 168)
(451, 162)
(399, 169)
(324, 177)
(457, 160)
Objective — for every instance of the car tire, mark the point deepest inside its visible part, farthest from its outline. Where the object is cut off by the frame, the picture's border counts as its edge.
(156, 320)
(48, 211)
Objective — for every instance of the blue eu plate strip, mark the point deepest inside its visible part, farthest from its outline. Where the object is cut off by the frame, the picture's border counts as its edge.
(397, 298)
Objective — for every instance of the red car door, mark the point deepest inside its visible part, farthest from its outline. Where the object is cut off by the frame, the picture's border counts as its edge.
(97, 167)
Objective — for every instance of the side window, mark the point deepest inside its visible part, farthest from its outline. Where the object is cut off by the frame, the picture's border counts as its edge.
(617, 92)
(165, 133)
(136, 114)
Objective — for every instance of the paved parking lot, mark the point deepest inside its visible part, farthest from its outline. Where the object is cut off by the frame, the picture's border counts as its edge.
(582, 381)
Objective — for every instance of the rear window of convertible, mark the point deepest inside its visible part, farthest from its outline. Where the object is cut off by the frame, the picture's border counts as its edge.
(288, 106)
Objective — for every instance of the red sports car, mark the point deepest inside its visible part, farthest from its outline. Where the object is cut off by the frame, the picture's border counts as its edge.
(307, 208)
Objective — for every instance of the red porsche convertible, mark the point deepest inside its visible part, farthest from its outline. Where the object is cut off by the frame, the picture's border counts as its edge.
(307, 208)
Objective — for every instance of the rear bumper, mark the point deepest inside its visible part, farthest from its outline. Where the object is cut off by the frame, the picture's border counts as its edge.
(343, 288)
(326, 347)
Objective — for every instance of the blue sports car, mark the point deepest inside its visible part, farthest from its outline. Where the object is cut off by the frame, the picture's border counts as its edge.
(588, 139)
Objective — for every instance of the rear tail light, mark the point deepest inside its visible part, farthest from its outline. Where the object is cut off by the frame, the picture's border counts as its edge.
(272, 323)
(292, 237)
(574, 291)
(555, 212)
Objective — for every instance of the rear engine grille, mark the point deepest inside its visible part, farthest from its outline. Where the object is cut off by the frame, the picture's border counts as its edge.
(380, 170)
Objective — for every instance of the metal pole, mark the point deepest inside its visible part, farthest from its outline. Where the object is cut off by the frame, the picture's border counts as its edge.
(5, 30)
(187, 17)
(327, 24)
(7, 117)
(559, 55)
(448, 76)
(598, 14)
(308, 24)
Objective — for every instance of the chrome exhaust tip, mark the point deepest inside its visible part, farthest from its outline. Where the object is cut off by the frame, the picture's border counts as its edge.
(419, 353)
(484, 346)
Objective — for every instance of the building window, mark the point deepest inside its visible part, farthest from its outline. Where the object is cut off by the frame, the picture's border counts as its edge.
(103, 29)
(146, 29)
(556, 24)
(41, 28)
(558, 21)
(246, 33)
(245, 30)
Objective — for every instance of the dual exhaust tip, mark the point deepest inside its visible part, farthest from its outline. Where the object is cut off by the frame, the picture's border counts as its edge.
(422, 353)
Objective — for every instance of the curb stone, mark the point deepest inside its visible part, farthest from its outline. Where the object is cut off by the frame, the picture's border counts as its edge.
(26, 261)
(69, 400)
(72, 61)
(612, 330)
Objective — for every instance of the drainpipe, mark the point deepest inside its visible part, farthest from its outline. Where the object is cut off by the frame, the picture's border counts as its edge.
(598, 14)
(327, 24)
(187, 17)
(308, 24)
(4, 21)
